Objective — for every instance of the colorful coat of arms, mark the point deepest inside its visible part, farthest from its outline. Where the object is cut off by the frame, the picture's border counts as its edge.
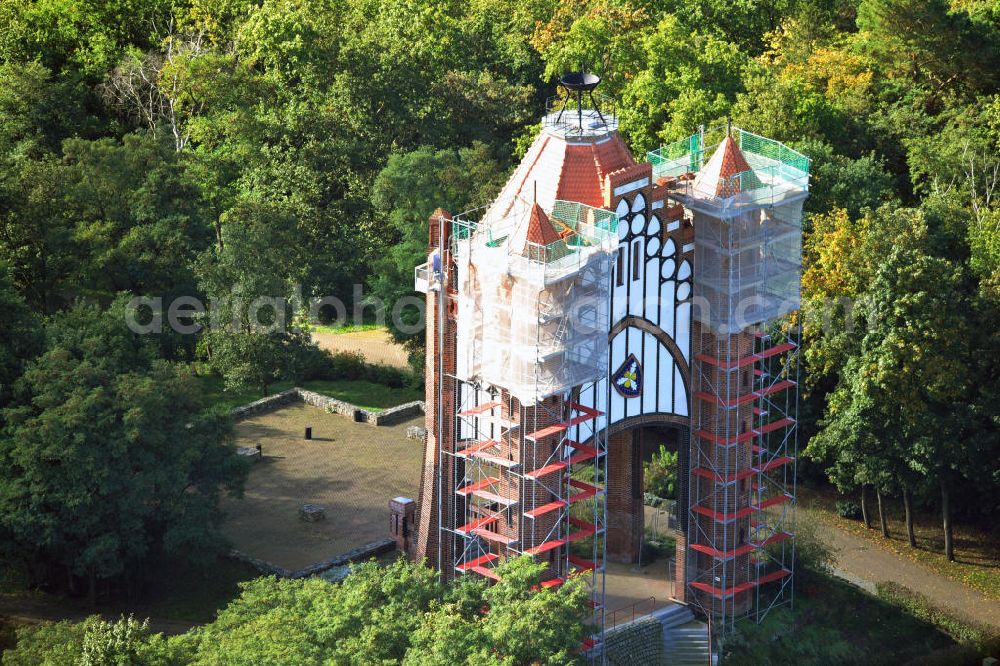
(627, 380)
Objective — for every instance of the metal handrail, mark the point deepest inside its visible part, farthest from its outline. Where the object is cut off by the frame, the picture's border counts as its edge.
(632, 608)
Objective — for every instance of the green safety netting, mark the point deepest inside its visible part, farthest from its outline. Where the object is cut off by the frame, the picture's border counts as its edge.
(687, 155)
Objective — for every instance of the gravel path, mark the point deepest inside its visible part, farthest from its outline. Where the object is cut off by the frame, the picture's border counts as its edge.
(865, 563)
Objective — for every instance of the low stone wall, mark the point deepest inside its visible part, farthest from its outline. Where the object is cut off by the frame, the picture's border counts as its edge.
(268, 404)
(372, 549)
(397, 414)
(332, 405)
(638, 643)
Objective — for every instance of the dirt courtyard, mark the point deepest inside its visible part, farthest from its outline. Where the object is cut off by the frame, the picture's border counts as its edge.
(376, 346)
(351, 469)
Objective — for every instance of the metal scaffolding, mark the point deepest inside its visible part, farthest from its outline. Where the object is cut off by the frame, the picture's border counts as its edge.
(532, 314)
(745, 194)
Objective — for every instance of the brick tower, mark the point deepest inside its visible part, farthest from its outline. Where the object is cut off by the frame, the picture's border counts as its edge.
(746, 208)
(597, 298)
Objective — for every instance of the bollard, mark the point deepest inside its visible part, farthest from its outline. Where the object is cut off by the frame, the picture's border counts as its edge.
(309, 432)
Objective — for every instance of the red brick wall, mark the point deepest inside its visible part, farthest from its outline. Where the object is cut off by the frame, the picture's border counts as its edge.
(426, 544)
(624, 488)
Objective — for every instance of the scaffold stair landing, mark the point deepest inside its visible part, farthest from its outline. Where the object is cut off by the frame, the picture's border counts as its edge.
(478, 489)
(582, 454)
(478, 562)
(475, 448)
(475, 524)
(486, 572)
(706, 473)
(479, 409)
(721, 517)
(741, 550)
(493, 536)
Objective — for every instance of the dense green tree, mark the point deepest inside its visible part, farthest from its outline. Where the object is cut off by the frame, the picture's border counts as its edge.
(252, 333)
(108, 458)
(405, 193)
(78, 38)
(20, 337)
(905, 399)
(927, 41)
(854, 185)
(398, 613)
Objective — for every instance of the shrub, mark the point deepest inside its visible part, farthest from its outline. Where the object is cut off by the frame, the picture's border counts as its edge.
(387, 375)
(311, 362)
(811, 554)
(347, 365)
(657, 546)
(847, 509)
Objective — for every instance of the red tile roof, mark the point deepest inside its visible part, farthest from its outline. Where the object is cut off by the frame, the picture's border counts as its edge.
(585, 166)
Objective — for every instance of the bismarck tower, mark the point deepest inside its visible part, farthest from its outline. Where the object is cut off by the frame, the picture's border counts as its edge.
(600, 307)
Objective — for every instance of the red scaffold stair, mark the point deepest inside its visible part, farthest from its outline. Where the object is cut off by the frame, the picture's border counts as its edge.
(706, 473)
(721, 517)
(586, 414)
(475, 448)
(749, 359)
(475, 524)
(499, 461)
(546, 508)
(581, 563)
(545, 546)
(493, 536)
(478, 489)
(536, 474)
(741, 550)
(487, 572)
(720, 593)
(478, 562)
(586, 490)
(581, 453)
(583, 529)
(479, 409)
(746, 397)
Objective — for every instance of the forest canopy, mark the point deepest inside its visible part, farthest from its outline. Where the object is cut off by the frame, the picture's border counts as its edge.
(236, 147)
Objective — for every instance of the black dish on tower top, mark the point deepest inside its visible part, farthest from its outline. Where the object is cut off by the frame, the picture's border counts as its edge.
(580, 81)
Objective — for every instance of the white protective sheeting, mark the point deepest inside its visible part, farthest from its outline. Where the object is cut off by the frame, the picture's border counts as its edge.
(534, 323)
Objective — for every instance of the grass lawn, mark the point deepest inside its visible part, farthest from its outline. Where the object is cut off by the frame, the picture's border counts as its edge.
(977, 551)
(833, 622)
(364, 394)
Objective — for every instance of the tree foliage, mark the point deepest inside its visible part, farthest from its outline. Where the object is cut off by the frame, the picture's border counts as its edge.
(107, 458)
(398, 613)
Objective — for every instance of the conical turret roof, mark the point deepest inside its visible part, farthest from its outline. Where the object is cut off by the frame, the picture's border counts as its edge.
(535, 233)
(714, 179)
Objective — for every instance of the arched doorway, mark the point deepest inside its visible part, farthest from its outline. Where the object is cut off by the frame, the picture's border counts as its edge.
(631, 443)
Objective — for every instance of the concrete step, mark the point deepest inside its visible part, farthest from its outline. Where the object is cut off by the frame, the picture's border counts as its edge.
(686, 644)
